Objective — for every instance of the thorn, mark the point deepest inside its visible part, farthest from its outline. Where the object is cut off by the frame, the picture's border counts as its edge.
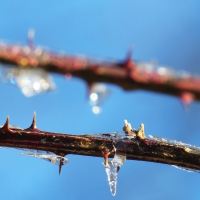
(187, 98)
(31, 35)
(60, 165)
(128, 61)
(33, 125)
(6, 125)
(105, 153)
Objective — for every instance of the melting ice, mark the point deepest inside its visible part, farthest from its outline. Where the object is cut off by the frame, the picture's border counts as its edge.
(49, 157)
(112, 170)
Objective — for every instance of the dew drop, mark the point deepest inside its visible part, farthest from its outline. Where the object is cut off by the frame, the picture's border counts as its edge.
(30, 81)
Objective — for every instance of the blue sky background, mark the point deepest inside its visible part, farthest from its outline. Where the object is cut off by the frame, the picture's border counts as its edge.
(166, 31)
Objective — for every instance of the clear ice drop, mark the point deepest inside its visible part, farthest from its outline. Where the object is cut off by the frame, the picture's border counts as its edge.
(112, 170)
(49, 157)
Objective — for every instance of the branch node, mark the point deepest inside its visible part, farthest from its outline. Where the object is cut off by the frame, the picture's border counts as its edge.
(128, 129)
(141, 133)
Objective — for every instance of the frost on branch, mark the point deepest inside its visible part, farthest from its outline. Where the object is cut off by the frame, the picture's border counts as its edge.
(55, 159)
(112, 168)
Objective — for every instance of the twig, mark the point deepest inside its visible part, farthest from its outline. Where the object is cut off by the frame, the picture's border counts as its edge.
(134, 145)
(128, 74)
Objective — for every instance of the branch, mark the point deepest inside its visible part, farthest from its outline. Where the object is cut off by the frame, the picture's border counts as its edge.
(133, 144)
(129, 75)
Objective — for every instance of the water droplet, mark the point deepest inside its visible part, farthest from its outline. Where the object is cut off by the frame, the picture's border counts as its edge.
(98, 93)
(30, 81)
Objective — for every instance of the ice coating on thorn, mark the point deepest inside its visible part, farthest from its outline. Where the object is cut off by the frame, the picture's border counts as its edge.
(112, 170)
(49, 157)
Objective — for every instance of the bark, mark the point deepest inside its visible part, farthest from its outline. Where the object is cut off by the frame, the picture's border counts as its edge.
(127, 74)
(133, 144)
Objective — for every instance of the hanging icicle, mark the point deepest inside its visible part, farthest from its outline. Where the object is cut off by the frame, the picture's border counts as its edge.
(112, 168)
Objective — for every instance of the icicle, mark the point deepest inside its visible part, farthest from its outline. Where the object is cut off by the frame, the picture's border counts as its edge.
(97, 93)
(30, 81)
(55, 159)
(112, 169)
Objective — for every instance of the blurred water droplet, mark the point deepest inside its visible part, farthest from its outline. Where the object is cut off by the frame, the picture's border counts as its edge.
(97, 94)
(30, 81)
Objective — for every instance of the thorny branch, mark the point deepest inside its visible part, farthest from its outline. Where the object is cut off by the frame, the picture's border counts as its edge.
(134, 145)
(128, 74)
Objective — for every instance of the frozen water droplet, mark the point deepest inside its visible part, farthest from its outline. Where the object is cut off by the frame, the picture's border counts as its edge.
(49, 157)
(30, 81)
(97, 94)
(112, 170)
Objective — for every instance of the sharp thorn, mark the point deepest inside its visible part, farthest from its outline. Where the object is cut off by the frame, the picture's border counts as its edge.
(33, 125)
(106, 153)
(60, 166)
(31, 34)
(6, 125)
(128, 61)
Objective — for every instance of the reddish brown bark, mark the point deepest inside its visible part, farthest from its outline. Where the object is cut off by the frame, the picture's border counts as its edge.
(127, 74)
(103, 145)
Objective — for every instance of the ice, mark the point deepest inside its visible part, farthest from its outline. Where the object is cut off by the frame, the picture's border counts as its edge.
(187, 169)
(98, 93)
(12, 127)
(112, 135)
(49, 157)
(112, 170)
(30, 81)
